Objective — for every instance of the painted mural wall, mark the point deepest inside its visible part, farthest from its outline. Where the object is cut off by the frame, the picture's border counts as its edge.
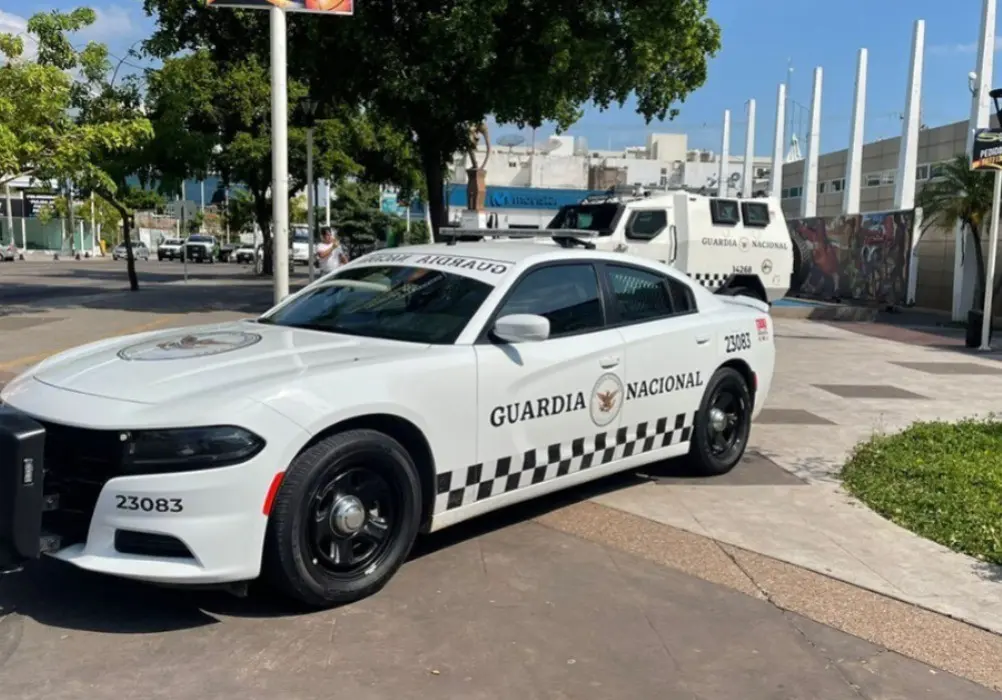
(861, 257)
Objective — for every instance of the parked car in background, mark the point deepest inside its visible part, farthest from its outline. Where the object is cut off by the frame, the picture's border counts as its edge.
(170, 249)
(139, 251)
(8, 253)
(226, 252)
(299, 250)
(201, 248)
(245, 253)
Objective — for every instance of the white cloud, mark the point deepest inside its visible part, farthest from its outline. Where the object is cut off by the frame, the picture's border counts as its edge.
(17, 25)
(952, 49)
(114, 24)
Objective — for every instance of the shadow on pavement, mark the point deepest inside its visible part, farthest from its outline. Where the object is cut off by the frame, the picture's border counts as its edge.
(57, 594)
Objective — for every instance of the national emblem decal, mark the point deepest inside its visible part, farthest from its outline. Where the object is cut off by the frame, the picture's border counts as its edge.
(606, 399)
(189, 345)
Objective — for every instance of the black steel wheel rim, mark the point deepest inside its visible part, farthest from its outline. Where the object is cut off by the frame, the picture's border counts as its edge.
(351, 552)
(728, 435)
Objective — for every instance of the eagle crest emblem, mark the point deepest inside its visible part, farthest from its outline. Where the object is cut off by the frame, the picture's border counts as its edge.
(606, 400)
(188, 342)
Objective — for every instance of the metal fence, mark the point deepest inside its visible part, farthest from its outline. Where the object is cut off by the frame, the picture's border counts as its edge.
(54, 235)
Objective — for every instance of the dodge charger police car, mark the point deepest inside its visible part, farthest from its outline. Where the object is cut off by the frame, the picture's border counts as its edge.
(410, 390)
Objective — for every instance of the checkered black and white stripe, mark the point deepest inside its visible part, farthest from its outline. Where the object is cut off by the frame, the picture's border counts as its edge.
(468, 485)
(709, 279)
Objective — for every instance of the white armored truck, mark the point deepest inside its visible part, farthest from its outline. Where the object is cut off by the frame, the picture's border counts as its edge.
(730, 246)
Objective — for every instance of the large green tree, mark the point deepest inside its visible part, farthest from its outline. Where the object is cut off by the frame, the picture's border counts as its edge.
(435, 69)
(215, 115)
(62, 118)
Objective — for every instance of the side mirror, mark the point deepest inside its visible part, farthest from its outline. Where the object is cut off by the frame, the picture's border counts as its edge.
(522, 328)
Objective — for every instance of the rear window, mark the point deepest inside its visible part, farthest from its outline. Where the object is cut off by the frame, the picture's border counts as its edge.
(201, 239)
(587, 217)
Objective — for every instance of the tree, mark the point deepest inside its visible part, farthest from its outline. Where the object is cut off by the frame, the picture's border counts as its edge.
(433, 70)
(239, 212)
(356, 216)
(83, 129)
(959, 194)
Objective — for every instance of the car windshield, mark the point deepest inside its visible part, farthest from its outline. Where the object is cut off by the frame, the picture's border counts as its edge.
(588, 217)
(412, 304)
(171, 241)
(300, 235)
(200, 239)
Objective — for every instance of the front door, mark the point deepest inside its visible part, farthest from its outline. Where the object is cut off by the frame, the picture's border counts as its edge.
(550, 408)
(668, 355)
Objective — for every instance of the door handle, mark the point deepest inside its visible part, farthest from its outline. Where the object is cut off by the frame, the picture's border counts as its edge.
(609, 362)
(702, 340)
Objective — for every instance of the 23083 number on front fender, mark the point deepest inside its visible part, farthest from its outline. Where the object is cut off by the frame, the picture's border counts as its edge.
(148, 505)
(737, 342)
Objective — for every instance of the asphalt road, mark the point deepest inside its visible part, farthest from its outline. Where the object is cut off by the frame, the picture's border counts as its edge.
(32, 282)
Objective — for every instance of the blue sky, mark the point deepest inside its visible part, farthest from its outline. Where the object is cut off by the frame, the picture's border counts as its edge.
(760, 39)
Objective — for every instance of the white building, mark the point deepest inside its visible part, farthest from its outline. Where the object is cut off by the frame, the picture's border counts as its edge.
(566, 162)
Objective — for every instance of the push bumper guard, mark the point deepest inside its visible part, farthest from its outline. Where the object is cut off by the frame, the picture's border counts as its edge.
(22, 495)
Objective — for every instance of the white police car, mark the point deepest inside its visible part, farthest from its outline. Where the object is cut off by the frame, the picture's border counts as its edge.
(410, 390)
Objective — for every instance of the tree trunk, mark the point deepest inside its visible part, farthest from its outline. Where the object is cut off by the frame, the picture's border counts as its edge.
(130, 260)
(979, 258)
(434, 173)
(263, 216)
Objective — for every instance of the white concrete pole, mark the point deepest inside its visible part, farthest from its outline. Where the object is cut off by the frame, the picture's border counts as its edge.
(854, 163)
(776, 176)
(964, 266)
(279, 156)
(904, 183)
(725, 155)
(809, 198)
(10, 212)
(748, 169)
(24, 218)
(311, 214)
(993, 249)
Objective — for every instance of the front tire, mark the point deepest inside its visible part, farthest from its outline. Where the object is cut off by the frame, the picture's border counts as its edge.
(722, 425)
(344, 520)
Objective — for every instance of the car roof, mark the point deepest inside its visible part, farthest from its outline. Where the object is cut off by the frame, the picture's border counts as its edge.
(513, 256)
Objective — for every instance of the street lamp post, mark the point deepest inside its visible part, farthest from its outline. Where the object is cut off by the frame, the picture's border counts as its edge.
(309, 110)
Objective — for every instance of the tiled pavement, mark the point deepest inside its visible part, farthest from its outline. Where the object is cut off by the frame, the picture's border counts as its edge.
(834, 388)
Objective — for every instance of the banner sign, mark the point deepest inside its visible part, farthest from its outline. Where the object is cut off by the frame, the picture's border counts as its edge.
(987, 151)
(326, 7)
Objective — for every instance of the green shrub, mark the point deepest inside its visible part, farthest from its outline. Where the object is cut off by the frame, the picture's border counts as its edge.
(940, 480)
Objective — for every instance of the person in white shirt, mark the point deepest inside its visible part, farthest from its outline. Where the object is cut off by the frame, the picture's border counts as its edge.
(330, 253)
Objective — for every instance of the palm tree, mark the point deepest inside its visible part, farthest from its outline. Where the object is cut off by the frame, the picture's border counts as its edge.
(960, 194)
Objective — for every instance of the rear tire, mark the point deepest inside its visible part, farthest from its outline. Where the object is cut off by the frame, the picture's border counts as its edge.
(722, 425)
(316, 549)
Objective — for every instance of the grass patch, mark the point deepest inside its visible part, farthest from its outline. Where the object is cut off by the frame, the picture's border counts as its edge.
(940, 480)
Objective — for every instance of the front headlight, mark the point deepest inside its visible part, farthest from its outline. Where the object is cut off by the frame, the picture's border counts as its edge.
(188, 449)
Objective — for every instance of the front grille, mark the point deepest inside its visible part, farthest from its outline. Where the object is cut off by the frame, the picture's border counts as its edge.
(78, 463)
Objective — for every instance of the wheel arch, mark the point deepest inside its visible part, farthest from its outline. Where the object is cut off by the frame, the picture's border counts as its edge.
(408, 435)
(744, 369)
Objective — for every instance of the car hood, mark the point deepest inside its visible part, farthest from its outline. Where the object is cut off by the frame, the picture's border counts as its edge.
(185, 363)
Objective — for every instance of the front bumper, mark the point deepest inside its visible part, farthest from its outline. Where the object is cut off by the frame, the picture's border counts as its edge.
(63, 493)
(197, 253)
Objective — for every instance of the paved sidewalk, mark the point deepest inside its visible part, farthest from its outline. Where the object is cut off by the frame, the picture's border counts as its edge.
(872, 384)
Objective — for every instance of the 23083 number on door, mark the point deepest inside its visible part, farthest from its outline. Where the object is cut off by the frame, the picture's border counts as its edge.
(738, 342)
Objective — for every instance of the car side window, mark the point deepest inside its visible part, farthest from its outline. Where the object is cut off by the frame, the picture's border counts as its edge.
(567, 295)
(645, 224)
(642, 295)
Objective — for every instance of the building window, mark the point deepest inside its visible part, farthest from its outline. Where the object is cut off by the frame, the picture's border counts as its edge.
(785, 193)
(796, 192)
(887, 177)
(936, 170)
(822, 187)
(871, 180)
(922, 172)
(838, 185)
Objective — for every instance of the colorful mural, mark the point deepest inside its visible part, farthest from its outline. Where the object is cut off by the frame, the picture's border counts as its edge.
(862, 257)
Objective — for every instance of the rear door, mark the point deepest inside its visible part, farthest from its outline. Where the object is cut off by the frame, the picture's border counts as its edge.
(668, 351)
(551, 408)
